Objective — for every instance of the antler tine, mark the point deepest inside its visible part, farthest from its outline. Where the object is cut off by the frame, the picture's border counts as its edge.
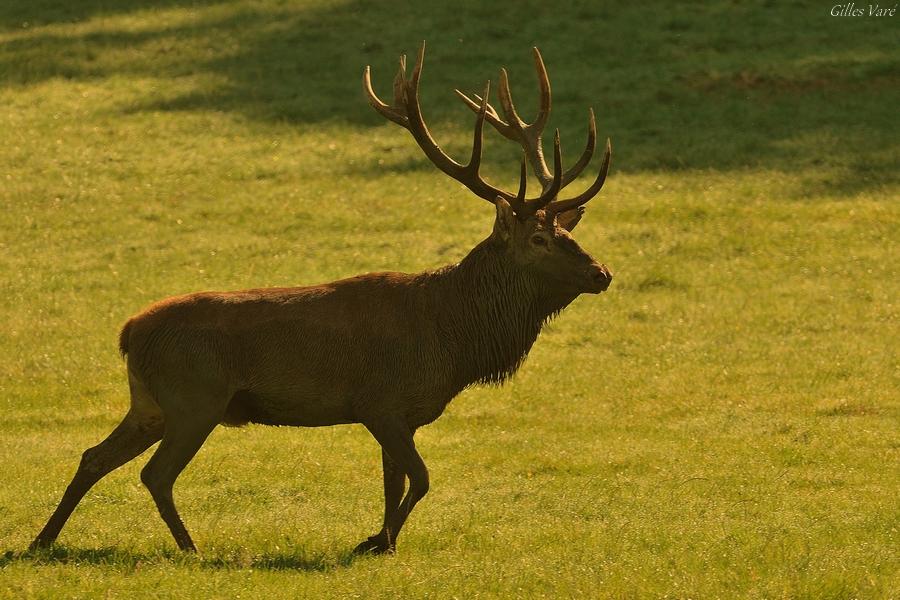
(400, 83)
(475, 161)
(505, 96)
(491, 115)
(585, 159)
(559, 206)
(552, 190)
(397, 113)
(544, 83)
(519, 200)
(526, 134)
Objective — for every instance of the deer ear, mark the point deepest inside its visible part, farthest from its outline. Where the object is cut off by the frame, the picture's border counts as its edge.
(503, 226)
(569, 219)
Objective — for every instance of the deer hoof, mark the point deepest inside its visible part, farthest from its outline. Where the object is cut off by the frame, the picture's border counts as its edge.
(375, 545)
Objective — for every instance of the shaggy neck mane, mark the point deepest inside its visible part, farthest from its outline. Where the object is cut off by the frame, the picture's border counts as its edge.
(495, 316)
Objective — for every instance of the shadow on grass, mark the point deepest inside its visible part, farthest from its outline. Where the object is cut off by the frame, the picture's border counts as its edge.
(39, 13)
(787, 88)
(130, 561)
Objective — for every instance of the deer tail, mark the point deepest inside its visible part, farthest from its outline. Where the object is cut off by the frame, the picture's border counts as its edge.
(123, 338)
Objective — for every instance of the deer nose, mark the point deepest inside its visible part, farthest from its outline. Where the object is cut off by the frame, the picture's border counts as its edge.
(601, 276)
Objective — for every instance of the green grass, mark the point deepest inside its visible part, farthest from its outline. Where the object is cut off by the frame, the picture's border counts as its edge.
(723, 423)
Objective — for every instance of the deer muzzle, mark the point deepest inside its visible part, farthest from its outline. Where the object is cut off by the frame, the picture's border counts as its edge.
(599, 277)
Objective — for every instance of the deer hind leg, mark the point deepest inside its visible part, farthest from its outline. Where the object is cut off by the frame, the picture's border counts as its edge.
(140, 429)
(400, 458)
(185, 432)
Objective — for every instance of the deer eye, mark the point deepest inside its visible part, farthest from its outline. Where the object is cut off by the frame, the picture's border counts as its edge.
(538, 240)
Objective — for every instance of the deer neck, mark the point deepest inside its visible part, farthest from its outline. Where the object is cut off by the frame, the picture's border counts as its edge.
(494, 315)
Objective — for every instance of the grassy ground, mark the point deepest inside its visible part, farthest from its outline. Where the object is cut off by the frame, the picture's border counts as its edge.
(723, 423)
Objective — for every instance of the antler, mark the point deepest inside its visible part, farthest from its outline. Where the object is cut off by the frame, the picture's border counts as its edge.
(406, 112)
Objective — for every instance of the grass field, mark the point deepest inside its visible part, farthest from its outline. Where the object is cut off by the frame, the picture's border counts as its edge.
(724, 422)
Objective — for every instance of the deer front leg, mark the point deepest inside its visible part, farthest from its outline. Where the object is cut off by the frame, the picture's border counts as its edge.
(400, 459)
(394, 484)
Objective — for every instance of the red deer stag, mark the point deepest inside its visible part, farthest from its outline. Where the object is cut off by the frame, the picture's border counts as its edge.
(387, 350)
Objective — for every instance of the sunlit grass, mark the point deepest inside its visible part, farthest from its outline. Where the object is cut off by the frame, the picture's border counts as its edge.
(723, 423)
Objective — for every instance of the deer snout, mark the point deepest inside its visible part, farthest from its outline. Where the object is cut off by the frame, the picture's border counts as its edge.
(600, 277)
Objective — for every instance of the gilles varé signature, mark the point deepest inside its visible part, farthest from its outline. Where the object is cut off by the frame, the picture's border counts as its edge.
(872, 10)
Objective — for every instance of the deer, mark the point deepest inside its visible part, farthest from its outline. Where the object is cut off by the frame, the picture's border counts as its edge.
(386, 350)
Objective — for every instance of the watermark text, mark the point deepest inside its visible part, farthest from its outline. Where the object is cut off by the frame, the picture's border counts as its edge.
(867, 10)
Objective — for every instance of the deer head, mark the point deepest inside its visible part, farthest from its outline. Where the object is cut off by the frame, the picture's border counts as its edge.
(534, 232)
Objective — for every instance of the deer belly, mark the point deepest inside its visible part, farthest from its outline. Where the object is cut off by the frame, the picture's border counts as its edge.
(248, 406)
